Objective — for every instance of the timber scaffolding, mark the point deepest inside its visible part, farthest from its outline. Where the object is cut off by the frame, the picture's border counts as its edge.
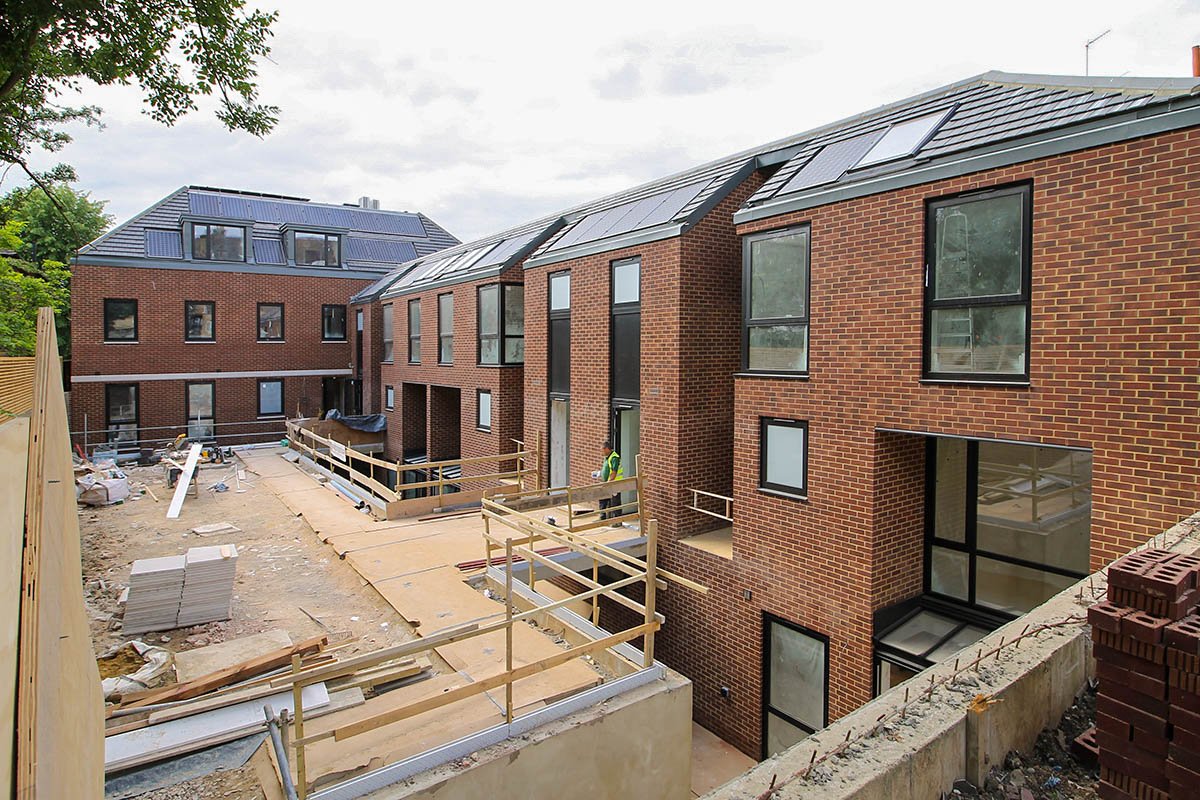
(511, 528)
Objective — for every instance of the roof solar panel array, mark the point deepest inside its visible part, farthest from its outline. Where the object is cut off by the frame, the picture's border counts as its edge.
(268, 251)
(386, 251)
(164, 244)
(630, 216)
(279, 212)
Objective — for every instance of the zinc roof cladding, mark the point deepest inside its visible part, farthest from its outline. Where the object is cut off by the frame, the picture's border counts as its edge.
(372, 239)
(986, 110)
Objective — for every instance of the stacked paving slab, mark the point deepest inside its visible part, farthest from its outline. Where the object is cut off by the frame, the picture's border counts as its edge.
(155, 587)
(1146, 640)
(181, 591)
(207, 585)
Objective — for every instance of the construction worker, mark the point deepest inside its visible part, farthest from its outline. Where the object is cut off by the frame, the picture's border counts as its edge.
(611, 471)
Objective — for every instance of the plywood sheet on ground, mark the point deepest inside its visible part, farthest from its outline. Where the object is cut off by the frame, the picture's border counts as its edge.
(204, 660)
(403, 558)
(292, 481)
(436, 599)
(296, 501)
(329, 761)
(266, 463)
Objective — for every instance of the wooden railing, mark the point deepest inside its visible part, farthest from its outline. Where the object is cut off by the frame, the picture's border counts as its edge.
(726, 512)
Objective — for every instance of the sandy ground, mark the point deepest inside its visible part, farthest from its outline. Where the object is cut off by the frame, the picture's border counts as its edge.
(283, 571)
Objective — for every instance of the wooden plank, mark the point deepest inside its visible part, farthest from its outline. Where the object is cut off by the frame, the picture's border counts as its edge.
(14, 447)
(583, 494)
(192, 664)
(185, 480)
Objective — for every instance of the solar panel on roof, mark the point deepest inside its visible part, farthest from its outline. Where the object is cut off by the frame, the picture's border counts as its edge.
(269, 251)
(278, 212)
(832, 162)
(164, 244)
(208, 205)
(380, 250)
(673, 204)
(905, 138)
(631, 216)
(508, 248)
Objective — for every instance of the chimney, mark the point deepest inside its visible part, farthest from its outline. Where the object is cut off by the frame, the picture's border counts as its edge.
(368, 202)
(1196, 61)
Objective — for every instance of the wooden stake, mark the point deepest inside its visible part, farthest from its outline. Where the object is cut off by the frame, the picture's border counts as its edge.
(508, 628)
(298, 710)
(651, 587)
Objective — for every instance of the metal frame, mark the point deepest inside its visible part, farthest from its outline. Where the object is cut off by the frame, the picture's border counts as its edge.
(750, 322)
(622, 310)
(553, 315)
(258, 397)
(408, 328)
(133, 300)
(189, 338)
(345, 323)
(479, 408)
(258, 323)
(501, 335)
(389, 330)
(137, 409)
(769, 619)
(335, 236)
(191, 242)
(187, 405)
(389, 404)
(441, 336)
(1024, 190)
(763, 483)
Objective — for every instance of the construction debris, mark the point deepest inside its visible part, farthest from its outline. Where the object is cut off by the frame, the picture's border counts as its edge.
(155, 663)
(215, 528)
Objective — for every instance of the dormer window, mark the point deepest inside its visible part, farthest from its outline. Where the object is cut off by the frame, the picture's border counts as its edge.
(317, 249)
(218, 242)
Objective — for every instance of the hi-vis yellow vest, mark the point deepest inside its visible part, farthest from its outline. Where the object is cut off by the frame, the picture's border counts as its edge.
(615, 471)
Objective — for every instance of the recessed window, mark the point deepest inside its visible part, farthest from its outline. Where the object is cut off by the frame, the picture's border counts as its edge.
(977, 286)
(414, 331)
(333, 323)
(270, 322)
(784, 459)
(218, 243)
(501, 324)
(775, 297)
(199, 320)
(627, 282)
(560, 333)
(121, 414)
(316, 249)
(626, 331)
(120, 321)
(560, 291)
(201, 416)
(483, 415)
(389, 398)
(387, 333)
(795, 684)
(270, 397)
(445, 328)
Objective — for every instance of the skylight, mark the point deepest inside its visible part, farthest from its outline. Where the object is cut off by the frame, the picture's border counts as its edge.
(905, 138)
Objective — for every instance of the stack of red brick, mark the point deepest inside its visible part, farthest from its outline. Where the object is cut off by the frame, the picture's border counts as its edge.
(1147, 648)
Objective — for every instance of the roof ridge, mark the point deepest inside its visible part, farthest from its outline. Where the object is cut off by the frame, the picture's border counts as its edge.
(1115, 83)
(300, 200)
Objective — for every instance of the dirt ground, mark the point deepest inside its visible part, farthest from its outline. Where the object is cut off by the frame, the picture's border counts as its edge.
(283, 571)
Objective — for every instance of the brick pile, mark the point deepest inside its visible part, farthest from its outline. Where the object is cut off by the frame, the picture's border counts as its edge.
(1146, 638)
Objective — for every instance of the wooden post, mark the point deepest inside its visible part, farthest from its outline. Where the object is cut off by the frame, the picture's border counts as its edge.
(651, 587)
(508, 629)
(595, 598)
(641, 490)
(298, 712)
(441, 482)
(537, 461)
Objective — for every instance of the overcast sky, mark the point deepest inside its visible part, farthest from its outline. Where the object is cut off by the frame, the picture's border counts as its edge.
(487, 115)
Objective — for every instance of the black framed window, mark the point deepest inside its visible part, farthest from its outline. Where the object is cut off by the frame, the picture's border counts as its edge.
(775, 292)
(795, 684)
(387, 332)
(483, 410)
(626, 345)
(500, 321)
(201, 409)
(121, 414)
(270, 322)
(783, 455)
(389, 398)
(414, 331)
(333, 323)
(977, 285)
(199, 320)
(560, 333)
(446, 328)
(317, 249)
(1008, 525)
(218, 242)
(919, 633)
(120, 320)
(270, 397)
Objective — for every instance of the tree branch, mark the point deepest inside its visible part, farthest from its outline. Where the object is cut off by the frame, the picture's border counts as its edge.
(33, 176)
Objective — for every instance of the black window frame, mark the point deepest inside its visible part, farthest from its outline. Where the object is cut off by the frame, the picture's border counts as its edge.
(767, 620)
(749, 322)
(557, 315)
(109, 300)
(1024, 297)
(109, 421)
(780, 488)
(445, 338)
(187, 406)
(325, 308)
(387, 321)
(258, 322)
(969, 546)
(502, 337)
(479, 393)
(414, 340)
(187, 337)
(624, 309)
(258, 398)
(389, 397)
(208, 226)
(337, 239)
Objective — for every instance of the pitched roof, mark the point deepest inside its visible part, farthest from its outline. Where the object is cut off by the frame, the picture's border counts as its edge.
(372, 240)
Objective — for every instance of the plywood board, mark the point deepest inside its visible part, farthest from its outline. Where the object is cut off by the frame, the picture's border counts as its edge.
(403, 558)
(436, 599)
(185, 480)
(14, 444)
(202, 661)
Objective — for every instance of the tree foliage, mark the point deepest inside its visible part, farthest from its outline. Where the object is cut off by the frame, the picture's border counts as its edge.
(53, 225)
(175, 50)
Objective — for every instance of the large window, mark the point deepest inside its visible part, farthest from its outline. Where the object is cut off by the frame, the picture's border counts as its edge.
(783, 460)
(316, 249)
(483, 410)
(414, 331)
(1009, 525)
(333, 323)
(199, 320)
(270, 322)
(560, 333)
(121, 414)
(795, 684)
(201, 415)
(775, 299)
(270, 397)
(445, 328)
(626, 349)
(977, 286)
(120, 321)
(218, 243)
(387, 332)
(501, 324)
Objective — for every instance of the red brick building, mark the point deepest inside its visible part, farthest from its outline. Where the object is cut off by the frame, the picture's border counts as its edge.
(218, 313)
